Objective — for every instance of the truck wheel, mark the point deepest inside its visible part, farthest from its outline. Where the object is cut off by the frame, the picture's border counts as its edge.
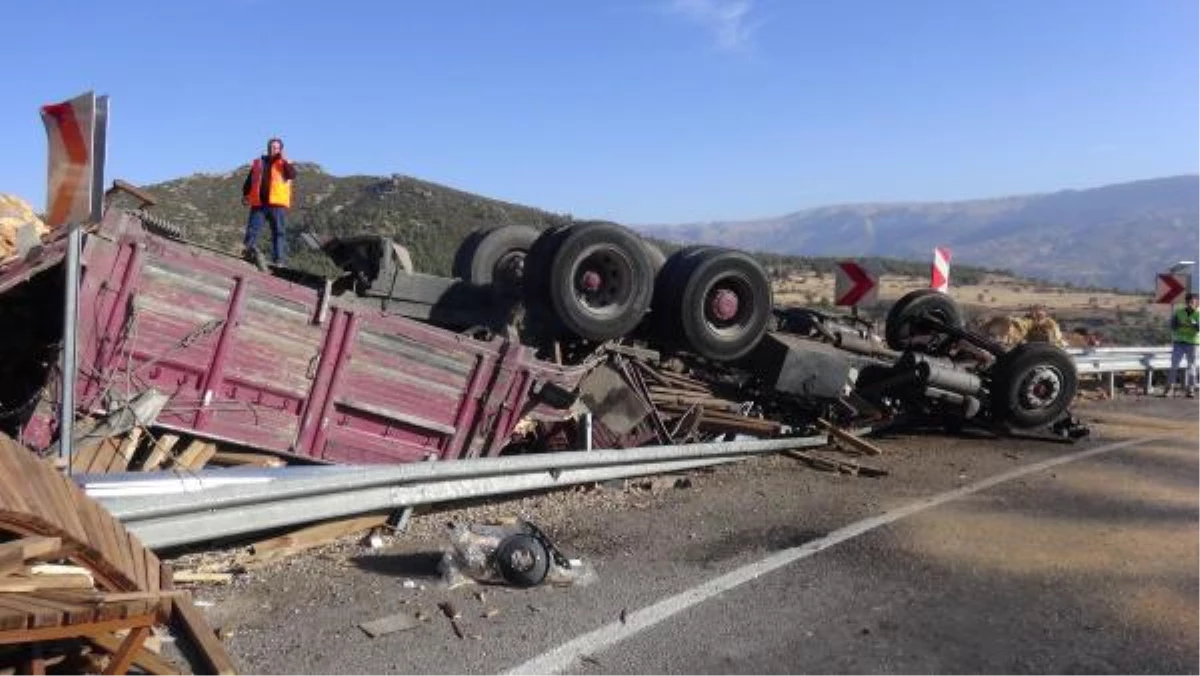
(657, 259)
(600, 281)
(1033, 384)
(724, 304)
(901, 326)
(522, 560)
(666, 284)
(538, 261)
(495, 256)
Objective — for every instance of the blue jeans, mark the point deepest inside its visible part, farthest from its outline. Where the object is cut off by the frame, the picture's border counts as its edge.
(1183, 353)
(277, 217)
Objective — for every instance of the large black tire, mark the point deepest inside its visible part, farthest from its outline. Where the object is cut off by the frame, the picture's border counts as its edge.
(538, 261)
(522, 560)
(1032, 385)
(902, 318)
(667, 283)
(600, 281)
(657, 258)
(722, 303)
(495, 256)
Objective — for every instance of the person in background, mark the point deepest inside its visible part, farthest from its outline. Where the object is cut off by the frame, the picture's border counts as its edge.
(1185, 336)
(268, 192)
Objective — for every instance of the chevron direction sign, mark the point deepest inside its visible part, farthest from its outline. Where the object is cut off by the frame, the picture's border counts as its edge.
(1169, 288)
(854, 284)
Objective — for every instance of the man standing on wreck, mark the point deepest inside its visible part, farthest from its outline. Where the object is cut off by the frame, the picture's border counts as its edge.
(268, 192)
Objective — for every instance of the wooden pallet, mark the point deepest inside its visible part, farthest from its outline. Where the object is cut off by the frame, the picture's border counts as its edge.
(135, 587)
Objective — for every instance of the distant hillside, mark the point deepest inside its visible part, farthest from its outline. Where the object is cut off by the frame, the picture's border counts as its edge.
(1116, 236)
(428, 218)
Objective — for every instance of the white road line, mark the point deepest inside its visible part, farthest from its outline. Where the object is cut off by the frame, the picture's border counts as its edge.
(566, 655)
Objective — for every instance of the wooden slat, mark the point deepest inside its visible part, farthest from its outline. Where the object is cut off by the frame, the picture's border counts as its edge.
(15, 553)
(119, 554)
(72, 630)
(13, 475)
(195, 455)
(203, 637)
(152, 570)
(128, 648)
(238, 459)
(125, 451)
(39, 616)
(313, 536)
(144, 659)
(160, 452)
(139, 561)
(17, 583)
(73, 613)
(13, 619)
(67, 495)
(83, 455)
(106, 451)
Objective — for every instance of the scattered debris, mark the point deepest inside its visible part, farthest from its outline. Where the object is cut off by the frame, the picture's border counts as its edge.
(515, 552)
(194, 576)
(390, 624)
(313, 536)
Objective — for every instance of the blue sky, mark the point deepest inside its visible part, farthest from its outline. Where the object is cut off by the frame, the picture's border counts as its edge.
(645, 111)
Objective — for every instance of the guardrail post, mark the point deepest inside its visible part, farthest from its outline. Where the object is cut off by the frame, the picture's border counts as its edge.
(1149, 380)
(1112, 384)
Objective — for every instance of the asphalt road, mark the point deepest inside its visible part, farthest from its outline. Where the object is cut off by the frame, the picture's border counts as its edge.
(975, 555)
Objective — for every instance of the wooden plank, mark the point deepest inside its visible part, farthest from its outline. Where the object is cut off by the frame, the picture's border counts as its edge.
(51, 633)
(848, 439)
(13, 619)
(139, 560)
(19, 551)
(83, 456)
(144, 659)
(195, 576)
(202, 636)
(39, 616)
(125, 451)
(120, 556)
(152, 570)
(20, 583)
(238, 459)
(67, 495)
(16, 464)
(203, 456)
(128, 648)
(160, 452)
(73, 613)
(314, 536)
(106, 452)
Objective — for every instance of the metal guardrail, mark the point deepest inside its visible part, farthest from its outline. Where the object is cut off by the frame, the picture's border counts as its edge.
(1114, 360)
(278, 498)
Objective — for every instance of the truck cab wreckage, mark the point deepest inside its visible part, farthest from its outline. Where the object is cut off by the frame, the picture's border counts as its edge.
(584, 335)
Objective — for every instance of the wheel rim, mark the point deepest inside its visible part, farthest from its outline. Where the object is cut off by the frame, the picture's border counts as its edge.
(603, 280)
(728, 305)
(510, 268)
(1040, 388)
(522, 560)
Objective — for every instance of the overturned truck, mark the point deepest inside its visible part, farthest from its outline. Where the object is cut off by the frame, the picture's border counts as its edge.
(536, 333)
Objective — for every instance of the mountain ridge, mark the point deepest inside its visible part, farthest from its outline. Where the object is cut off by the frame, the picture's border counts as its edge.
(1077, 235)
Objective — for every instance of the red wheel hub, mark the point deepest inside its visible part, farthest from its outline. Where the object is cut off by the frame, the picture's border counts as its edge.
(724, 305)
(590, 281)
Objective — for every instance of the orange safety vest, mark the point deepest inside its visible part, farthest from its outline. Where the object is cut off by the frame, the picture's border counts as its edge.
(281, 188)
